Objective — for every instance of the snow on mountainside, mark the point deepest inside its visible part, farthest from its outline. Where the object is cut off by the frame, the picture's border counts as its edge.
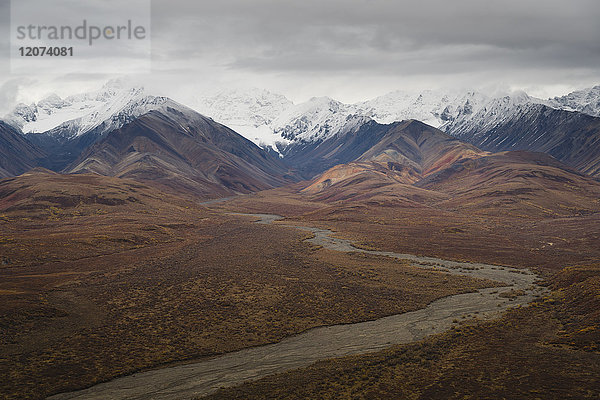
(89, 109)
(318, 118)
(249, 112)
(586, 101)
(321, 117)
(492, 114)
(95, 113)
(272, 120)
(268, 119)
(109, 117)
(435, 108)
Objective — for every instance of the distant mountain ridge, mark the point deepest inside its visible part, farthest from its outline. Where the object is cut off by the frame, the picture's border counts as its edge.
(586, 101)
(418, 166)
(281, 121)
(571, 137)
(76, 114)
(271, 120)
(151, 139)
(408, 146)
(313, 136)
(180, 149)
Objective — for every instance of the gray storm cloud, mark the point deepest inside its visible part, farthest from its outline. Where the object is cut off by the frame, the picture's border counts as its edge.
(334, 35)
(368, 46)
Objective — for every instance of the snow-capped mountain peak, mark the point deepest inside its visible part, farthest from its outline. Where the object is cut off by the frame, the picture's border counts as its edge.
(317, 119)
(249, 112)
(86, 110)
(111, 116)
(435, 108)
(492, 113)
(271, 120)
(586, 101)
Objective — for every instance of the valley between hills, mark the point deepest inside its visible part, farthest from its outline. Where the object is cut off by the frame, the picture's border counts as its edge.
(124, 249)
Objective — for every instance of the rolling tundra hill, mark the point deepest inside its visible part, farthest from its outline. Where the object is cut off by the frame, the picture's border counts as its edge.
(408, 145)
(416, 165)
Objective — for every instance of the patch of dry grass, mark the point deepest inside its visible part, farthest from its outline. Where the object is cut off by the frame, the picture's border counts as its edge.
(389, 222)
(88, 295)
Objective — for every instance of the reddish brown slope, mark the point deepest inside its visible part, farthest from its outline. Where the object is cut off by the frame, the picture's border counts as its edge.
(181, 150)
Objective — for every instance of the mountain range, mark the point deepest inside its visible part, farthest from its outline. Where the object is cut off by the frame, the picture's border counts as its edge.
(126, 133)
(268, 118)
(115, 259)
(183, 150)
(122, 131)
(413, 164)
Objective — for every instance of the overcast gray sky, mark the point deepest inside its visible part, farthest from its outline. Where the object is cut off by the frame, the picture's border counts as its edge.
(355, 49)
